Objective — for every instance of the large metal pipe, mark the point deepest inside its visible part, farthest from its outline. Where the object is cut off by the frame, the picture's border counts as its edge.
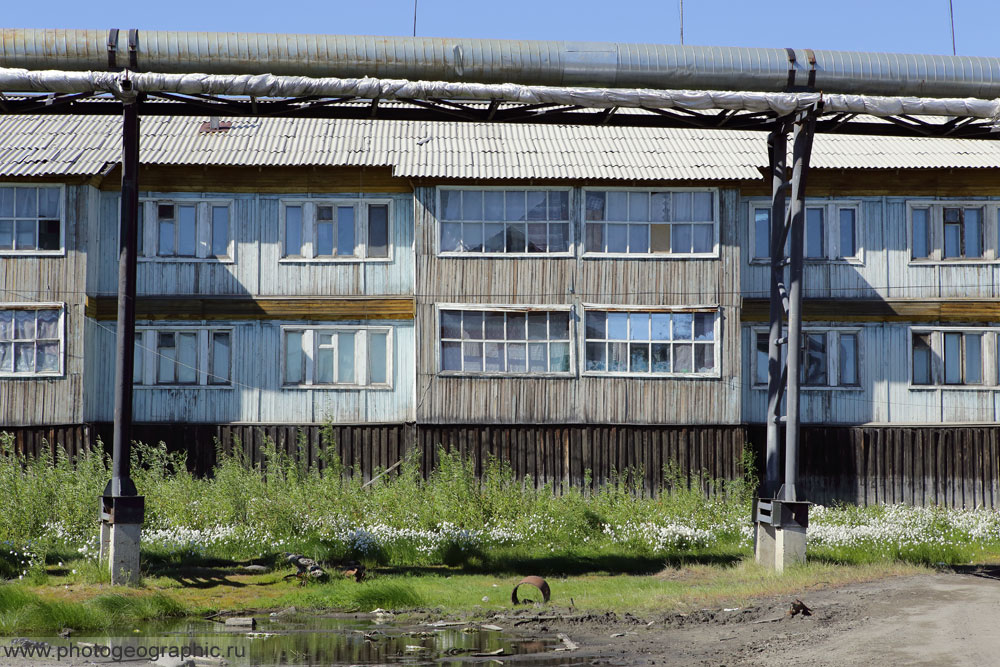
(552, 63)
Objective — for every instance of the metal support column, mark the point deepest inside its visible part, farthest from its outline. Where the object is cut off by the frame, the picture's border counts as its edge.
(781, 518)
(122, 509)
(805, 125)
(777, 143)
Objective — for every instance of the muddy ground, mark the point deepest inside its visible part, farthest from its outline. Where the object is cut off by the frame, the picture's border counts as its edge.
(948, 618)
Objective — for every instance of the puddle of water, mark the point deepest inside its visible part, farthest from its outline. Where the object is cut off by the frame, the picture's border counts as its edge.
(302, 640)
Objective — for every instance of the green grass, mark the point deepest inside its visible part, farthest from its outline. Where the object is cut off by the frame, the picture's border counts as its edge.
(23, 611)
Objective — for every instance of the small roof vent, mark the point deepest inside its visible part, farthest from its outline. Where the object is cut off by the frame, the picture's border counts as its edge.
(213, 124)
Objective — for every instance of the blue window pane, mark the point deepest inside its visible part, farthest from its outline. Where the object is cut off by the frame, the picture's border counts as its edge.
(515, 205)
(762, 232)
(639, 357)
(618, 326)
(638, 238)
(617, 207)
(537, 206)
(680, 240)
(595, 205)
(472, 205)
(451, 236)
(638, 206)
(660, 326)
(596, 360)
(638, 326)
(596, 324)
(345, 230)
(683, 325)
(451, 205)
(451, 356)
(293, 231)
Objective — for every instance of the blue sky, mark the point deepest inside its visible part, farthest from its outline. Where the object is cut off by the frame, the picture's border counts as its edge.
(916, 26)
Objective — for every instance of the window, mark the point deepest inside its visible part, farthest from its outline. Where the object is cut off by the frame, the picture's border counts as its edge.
(185, 229)
(952, 231)
(194, 356)
(950, 356)
(31, 340)
(831, 232)
(650, 222)
(829, 358)
(351, 357)
(31, 220)
(341, 230)
(504, 221)
(512, 341)
(651, 342)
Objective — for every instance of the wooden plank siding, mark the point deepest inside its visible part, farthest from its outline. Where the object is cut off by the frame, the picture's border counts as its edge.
(576, 281)
(866, 465)
(248, 308)
(257, 269)
(256, 393)
(51, 279)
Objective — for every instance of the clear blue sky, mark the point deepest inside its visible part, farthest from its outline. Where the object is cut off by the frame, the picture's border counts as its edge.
(914, 26)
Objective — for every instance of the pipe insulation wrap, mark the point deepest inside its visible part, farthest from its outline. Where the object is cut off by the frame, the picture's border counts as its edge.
(267, 85)
(548, 63)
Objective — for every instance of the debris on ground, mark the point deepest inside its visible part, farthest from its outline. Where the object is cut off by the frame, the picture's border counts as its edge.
(568, 644)
(242, 622)
(537, 582)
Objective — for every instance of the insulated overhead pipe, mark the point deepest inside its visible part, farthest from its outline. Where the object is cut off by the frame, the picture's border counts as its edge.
(551, 63)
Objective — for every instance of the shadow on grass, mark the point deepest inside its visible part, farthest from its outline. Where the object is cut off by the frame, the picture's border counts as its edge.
(567, 564)
(196, 571)
(983, 571)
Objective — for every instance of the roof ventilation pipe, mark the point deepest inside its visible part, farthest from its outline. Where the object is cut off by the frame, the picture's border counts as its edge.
(549, 63)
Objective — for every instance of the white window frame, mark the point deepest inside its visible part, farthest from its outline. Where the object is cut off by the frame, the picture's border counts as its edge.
(831, 232)
(309, 205)
(991, 209)
(989, 358)
(589, 254)
(61, 251)
(310, 343)
(146, 345)
(506, 308)
(61, 307)
(832, 357)
(150, 230)
(570, 208)
(672, 375)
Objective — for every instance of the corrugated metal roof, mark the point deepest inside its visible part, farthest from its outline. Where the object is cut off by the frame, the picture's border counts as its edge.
(83, 145)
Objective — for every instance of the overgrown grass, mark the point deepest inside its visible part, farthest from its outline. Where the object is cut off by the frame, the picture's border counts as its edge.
(24, 611)
(491, 523)
(244, 511)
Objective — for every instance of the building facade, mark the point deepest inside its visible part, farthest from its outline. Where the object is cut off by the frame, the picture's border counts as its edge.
(577, 301)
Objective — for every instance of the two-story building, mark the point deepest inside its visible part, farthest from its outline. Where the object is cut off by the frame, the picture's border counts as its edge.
(570, 299)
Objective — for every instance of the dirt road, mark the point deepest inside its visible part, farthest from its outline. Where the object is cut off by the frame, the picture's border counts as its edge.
(940, 619)
(948, 618)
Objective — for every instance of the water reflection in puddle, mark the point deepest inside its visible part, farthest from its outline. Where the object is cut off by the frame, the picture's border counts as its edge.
(319, 640)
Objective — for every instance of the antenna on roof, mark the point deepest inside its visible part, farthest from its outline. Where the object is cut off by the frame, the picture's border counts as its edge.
(414, 18)
(951, 10)
(682, 21)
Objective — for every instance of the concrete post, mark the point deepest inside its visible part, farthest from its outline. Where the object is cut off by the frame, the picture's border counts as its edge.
(123, 553)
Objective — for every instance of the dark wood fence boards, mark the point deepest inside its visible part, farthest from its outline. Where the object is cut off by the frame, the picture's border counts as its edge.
(924, 466)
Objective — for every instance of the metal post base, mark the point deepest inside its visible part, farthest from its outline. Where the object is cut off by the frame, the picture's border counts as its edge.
(780, 532)
(121, 527)
(123, 553)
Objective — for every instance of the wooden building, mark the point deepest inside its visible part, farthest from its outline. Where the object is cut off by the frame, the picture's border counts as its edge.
(570, 299)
